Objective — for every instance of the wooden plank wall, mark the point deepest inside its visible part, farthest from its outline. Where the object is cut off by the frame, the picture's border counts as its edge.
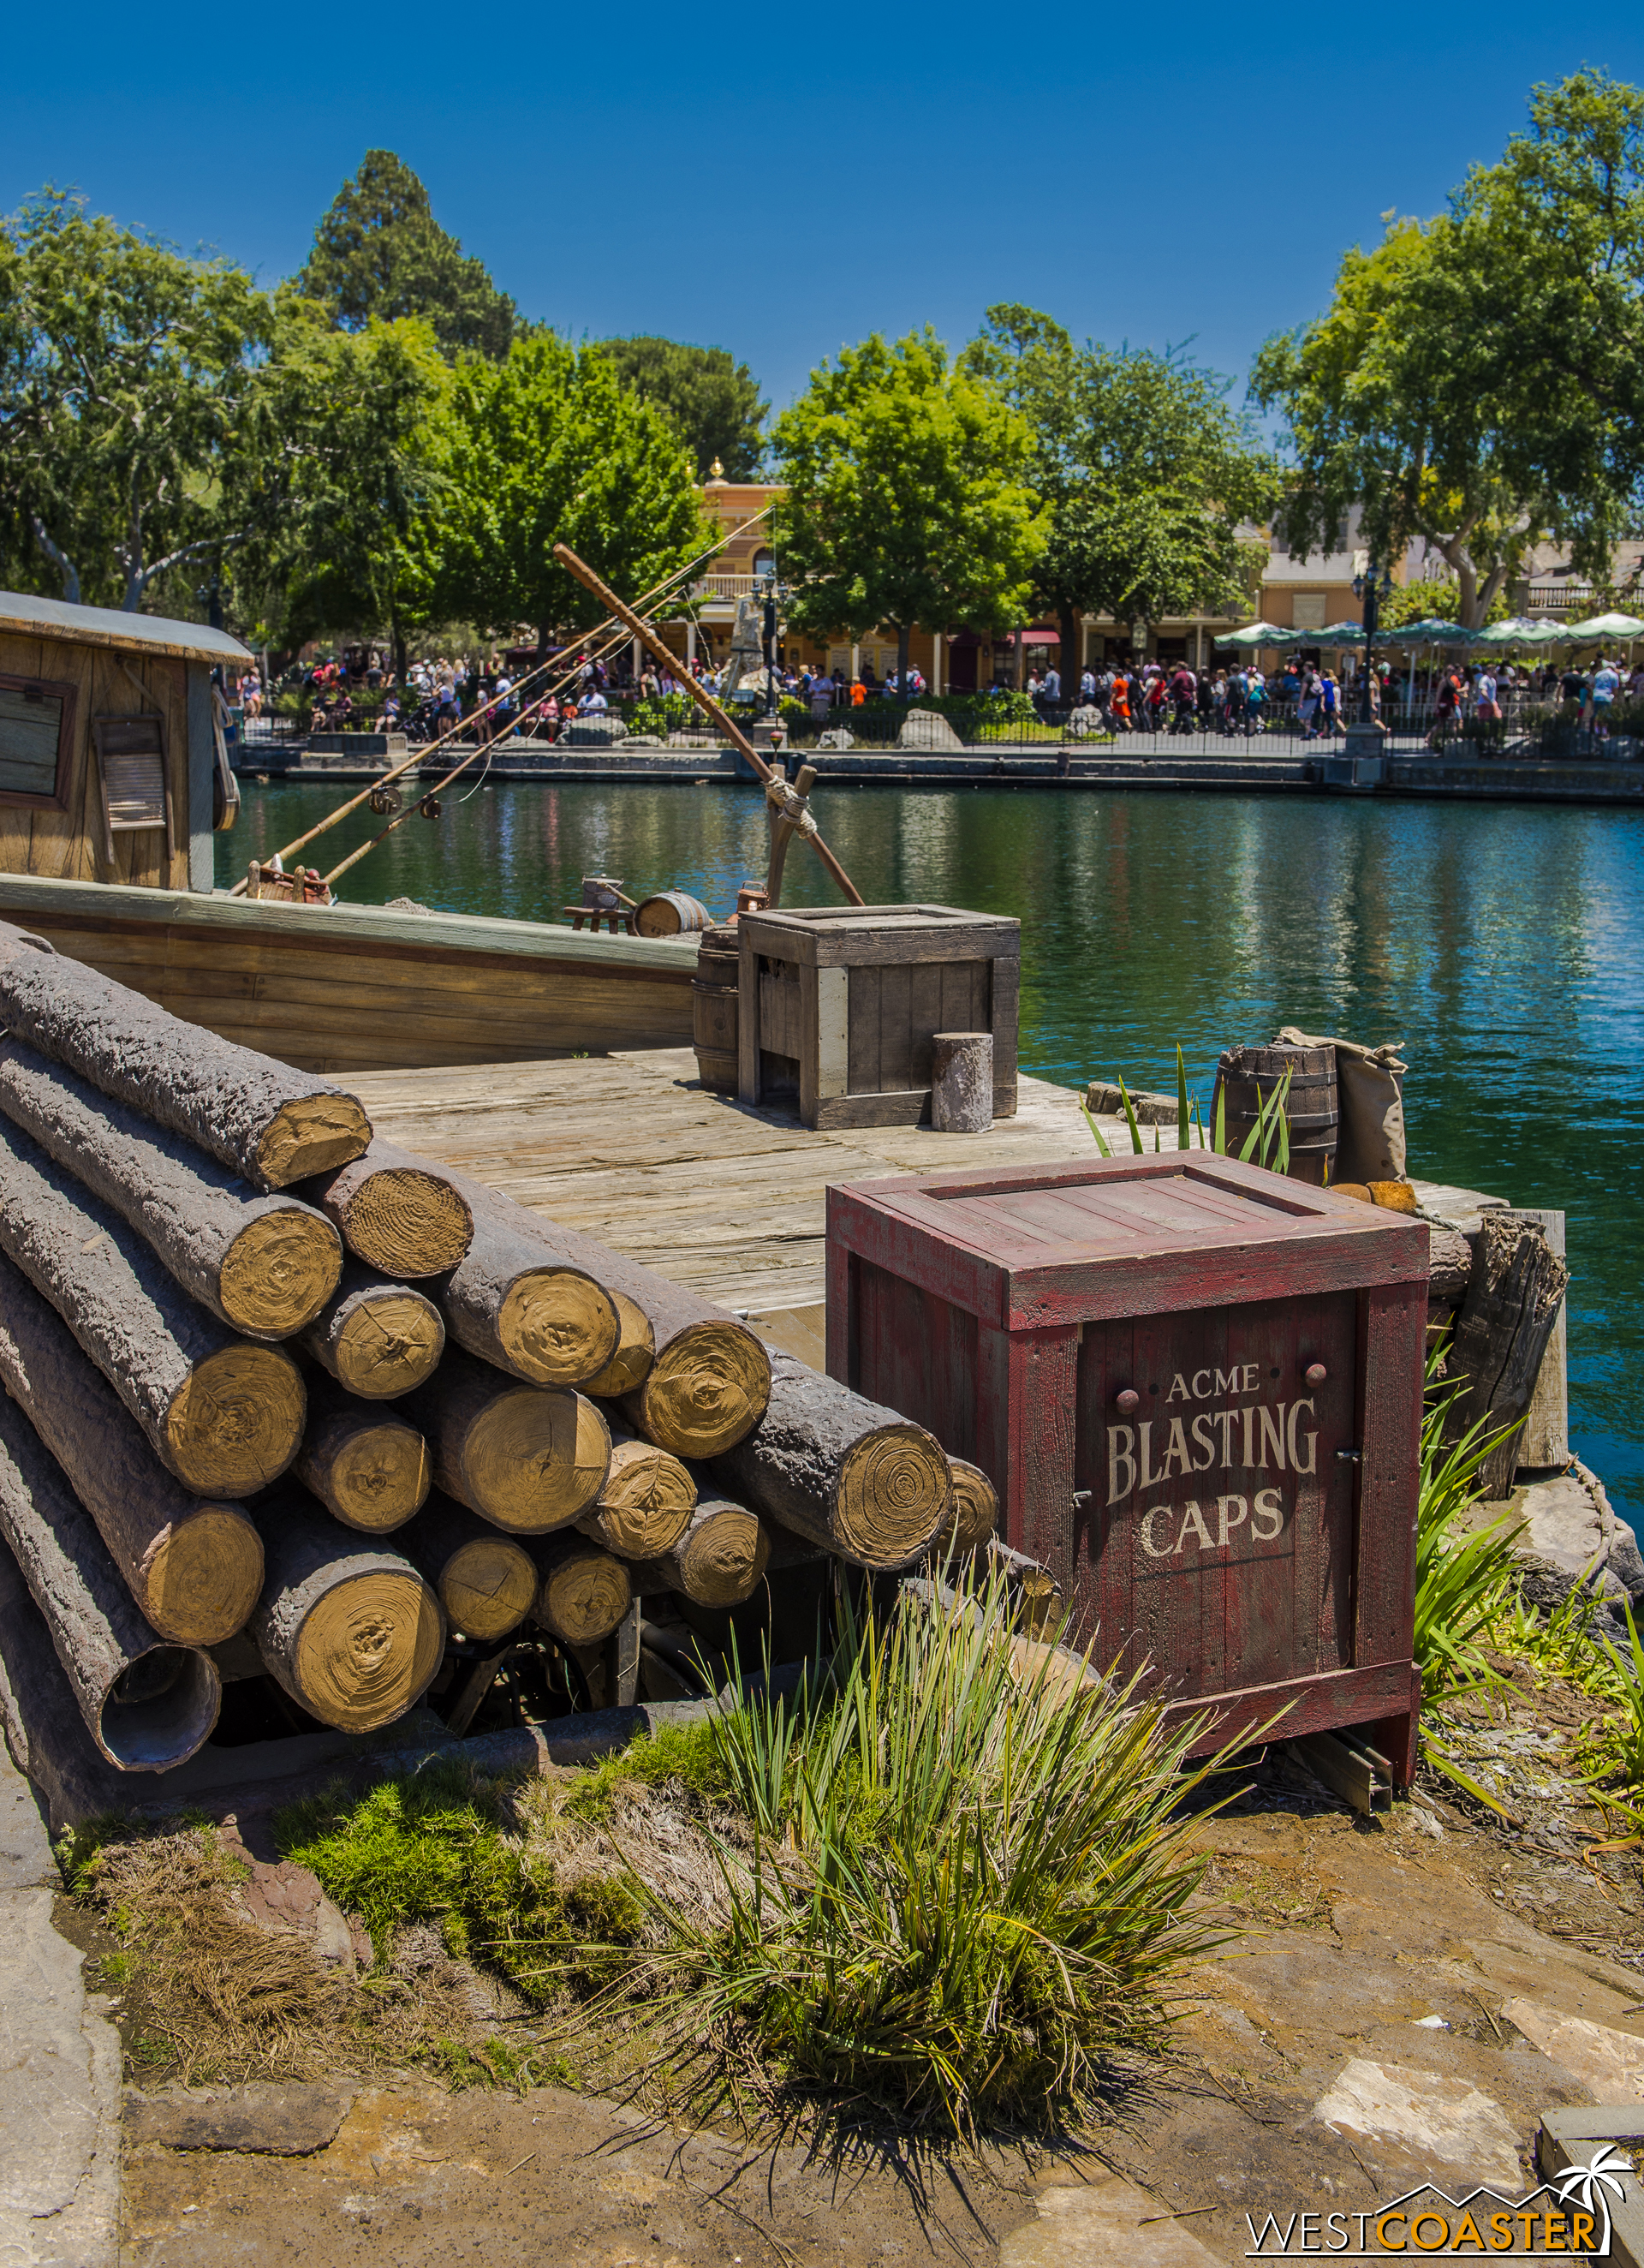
(68, 845)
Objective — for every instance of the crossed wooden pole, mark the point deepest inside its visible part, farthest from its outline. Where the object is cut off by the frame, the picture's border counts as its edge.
(790, 812)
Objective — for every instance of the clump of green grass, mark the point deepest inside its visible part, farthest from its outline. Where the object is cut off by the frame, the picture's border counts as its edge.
(686, 1753)
(968, 1885)
(431, 1848)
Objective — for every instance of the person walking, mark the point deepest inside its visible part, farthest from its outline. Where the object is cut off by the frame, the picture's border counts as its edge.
(1307, 702)
(1255, 704)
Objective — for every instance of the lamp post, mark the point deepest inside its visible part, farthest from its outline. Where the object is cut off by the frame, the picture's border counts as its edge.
(1371, 588)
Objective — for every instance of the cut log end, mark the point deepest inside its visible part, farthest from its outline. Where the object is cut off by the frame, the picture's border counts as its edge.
(382, 1343)
(535, 1460)
(975, 1506)
(367, 1649)
(279, 1272)
(160, 1709)
(723, 1559)
(236, 1423)
(407, 1222)
(646, 1503)
(635, 1350)
(557, 1326)
(488, 1586)
(202, 1578)
(706, 1391)
(372, 1472)
(311, 1134)
(894, 1495)
(583, 1595)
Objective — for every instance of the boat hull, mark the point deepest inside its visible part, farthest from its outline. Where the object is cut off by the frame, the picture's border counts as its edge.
(356, 988)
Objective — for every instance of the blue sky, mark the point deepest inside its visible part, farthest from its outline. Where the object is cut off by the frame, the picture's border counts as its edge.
(779, 181)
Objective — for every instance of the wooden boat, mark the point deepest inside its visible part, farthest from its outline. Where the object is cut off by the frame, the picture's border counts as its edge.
(113, 778)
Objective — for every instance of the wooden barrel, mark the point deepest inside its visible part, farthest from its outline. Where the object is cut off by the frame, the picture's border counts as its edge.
(714, 1007)
(671, 914)
(1246, 1075)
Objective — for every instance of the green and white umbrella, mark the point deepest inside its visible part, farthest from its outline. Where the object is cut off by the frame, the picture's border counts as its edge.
(1599, 628)
(1431, 630)
(1258, 634)
(1338, 634)
(1521, 630)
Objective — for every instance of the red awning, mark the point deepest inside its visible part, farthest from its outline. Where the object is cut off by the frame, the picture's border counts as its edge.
(1039, 637)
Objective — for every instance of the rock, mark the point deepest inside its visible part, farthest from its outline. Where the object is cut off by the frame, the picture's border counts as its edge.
(1436, 2118)
(594, 732)
(287, 1899)
(643, 740)
(1566, 1533)
(924, 728)
(1105, 1101)
(271, 2120)
(1102, 2218)
(60, 2071)
(1083, 721)
(1607, 2062)
(838, 738)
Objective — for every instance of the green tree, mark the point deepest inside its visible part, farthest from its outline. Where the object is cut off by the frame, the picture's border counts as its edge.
(712, 402)
(546, 446)
(1479, 378)
(380, 252)
(123, 365)
(1144, 471)
(907, 500)
(339, 474)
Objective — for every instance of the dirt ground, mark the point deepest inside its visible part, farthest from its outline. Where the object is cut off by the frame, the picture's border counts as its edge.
(1405, 1997)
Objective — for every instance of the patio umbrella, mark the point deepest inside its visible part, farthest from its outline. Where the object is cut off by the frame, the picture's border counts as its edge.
(1431, 630)
(1338, 634)
(1258, 634)
(1599, 629)
(1523, 629)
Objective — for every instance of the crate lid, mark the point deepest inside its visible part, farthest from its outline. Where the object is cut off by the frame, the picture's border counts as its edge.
(1094, 1238)
(833, 937)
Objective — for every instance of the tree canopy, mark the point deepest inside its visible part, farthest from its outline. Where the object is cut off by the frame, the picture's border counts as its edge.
(1143, 469)
(907, 496)
(546, 446)
(1478, 378)
(712, 401)
(123, 365)
(379, 252)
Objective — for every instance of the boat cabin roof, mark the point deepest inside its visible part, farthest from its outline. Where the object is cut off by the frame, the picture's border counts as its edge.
(25, 616)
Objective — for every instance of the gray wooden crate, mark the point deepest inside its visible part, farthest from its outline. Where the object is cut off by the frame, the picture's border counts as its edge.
(838, 1006)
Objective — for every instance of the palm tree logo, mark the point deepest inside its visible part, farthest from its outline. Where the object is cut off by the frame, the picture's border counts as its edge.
(1591, 2185)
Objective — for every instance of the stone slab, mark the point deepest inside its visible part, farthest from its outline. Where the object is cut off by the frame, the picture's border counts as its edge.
(280, 2121)
(1103, 2218)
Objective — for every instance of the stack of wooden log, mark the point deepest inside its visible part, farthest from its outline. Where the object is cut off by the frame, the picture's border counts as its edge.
(265, 1372)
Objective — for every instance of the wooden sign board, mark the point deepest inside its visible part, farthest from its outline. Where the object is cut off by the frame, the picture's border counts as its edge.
(1197, 1387)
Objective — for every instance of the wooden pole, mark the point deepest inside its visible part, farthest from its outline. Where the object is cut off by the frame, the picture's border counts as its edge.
(703, 699)
(379, 1338)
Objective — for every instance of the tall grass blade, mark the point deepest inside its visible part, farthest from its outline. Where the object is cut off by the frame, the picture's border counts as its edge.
(1130, 1116)
(1096, 1131)
(1183, 1122)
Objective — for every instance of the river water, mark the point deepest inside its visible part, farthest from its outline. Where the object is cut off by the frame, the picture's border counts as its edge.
(1502, 945)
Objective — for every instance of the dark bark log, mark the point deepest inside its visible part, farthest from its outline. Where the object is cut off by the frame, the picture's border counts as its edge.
(858, 1479)
(520, 1308)
(368, 1468)
(975, 1507)
(583, 1593)
(265, 1265)
(718, 1562)
(354, 1634)
(379, 1339)
(223, 1413)
(194, 1569)
(487, 1581)
(271, 1123)
(528, 1458)
(148, 1705)
(708, 1376)
(1514, 1290)
(399, 1213)
(1449, 1265)
(647, 1500)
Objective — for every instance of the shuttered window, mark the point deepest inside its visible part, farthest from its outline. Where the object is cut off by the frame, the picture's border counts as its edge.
(131, 759)
(34, 744)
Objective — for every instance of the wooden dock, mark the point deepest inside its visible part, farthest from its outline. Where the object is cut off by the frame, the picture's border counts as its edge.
(729, 1199)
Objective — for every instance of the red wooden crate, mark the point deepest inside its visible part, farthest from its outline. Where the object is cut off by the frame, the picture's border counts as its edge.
(1245, 1527)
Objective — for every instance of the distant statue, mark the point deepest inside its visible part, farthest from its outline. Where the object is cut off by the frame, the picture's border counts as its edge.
(745, 676)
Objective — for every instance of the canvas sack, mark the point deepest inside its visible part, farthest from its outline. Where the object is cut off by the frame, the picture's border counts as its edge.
(1370, 1100)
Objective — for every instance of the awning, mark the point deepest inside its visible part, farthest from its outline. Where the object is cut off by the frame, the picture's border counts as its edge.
(1038, 637)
